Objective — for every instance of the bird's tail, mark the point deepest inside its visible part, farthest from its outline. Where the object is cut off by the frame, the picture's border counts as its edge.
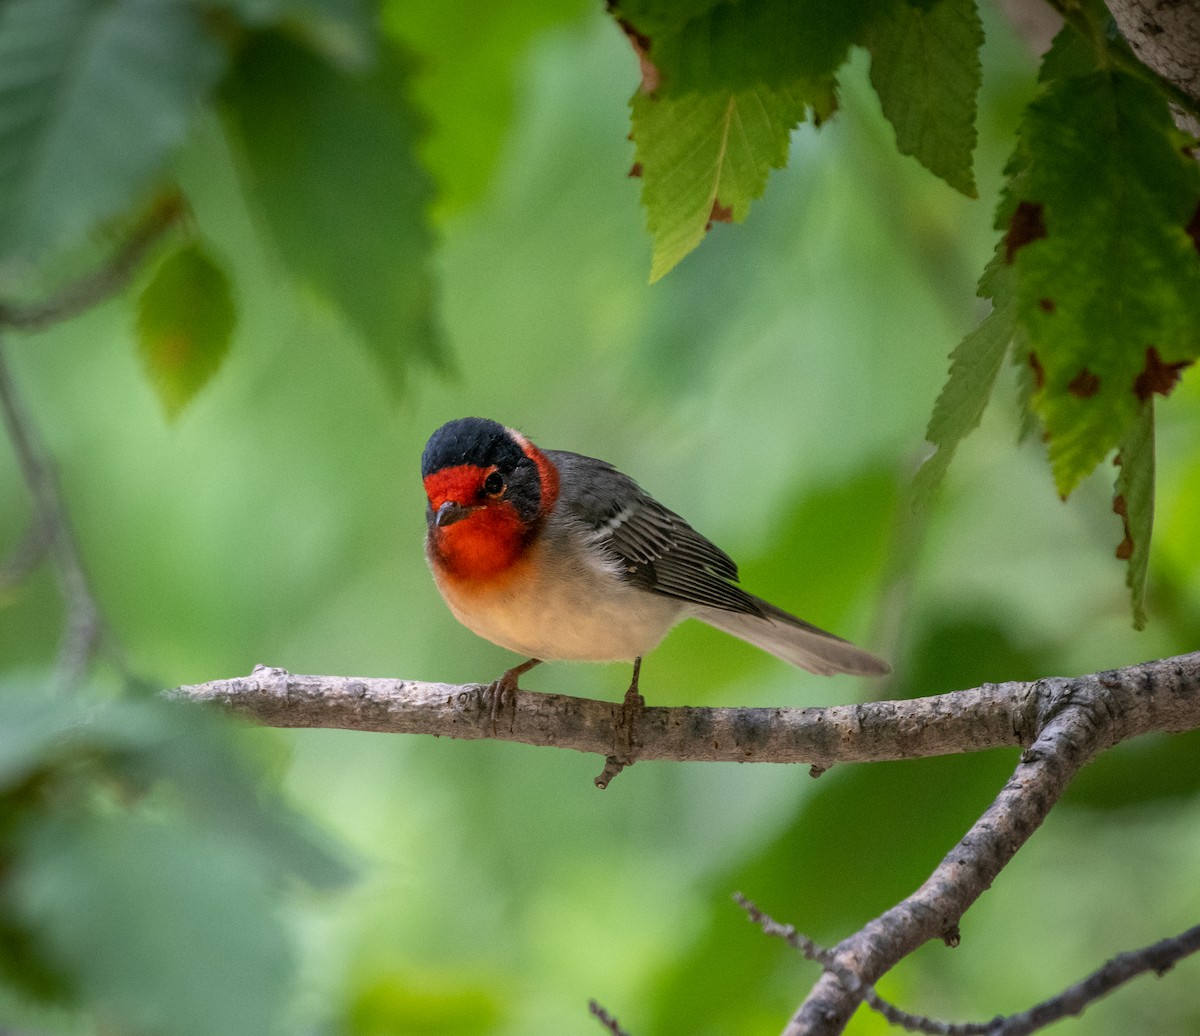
(794, 640)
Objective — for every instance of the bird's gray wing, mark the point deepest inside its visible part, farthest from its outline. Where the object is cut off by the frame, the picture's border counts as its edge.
(651, 546)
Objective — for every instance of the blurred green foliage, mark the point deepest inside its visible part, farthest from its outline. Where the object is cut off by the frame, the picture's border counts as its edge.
(155, 867)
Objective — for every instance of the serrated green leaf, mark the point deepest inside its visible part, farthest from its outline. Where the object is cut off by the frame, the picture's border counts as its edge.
(470, 115)
(707, 156)
(185, 321)
(94, 94)
(340, 30)
(330, 158)
(1134, 502)
(738, 45)
(1108, 279)
(208, 859)
(974, 364)
(925, 67)
(102, 892)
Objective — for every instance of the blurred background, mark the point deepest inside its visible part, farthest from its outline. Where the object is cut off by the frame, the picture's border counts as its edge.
(774, 389)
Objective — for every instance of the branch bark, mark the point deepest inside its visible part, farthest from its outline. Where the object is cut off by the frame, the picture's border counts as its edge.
(991, 716)
(1165, 36)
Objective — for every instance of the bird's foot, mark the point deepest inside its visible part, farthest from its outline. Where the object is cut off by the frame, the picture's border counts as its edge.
(495, 694)
(625, 726)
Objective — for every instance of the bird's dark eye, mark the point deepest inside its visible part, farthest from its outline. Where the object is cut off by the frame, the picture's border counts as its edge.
(494, 485)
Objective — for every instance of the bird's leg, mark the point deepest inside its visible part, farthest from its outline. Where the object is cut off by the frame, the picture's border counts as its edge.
(625, 730)
(497, 690)
(633, 699)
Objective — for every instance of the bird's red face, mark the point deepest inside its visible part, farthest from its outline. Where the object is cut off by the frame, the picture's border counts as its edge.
(488, 489)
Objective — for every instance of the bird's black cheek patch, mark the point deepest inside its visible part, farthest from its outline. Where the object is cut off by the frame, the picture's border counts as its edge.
(525, 491)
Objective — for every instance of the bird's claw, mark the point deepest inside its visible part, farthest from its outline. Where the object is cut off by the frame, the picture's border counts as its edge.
(625, 735)
(497, 691)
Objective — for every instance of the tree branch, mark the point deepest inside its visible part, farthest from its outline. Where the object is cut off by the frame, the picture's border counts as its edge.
(1063, 723)
(1159, 958)
(1153, 696)
(1165, 36)
(1077, 721)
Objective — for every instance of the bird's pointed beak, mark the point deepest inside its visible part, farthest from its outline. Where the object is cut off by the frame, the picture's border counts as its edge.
(450, 512)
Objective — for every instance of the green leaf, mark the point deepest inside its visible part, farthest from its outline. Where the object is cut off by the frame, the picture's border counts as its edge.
(94, 95)
(470, 114)
(925, 67)
(340, 30)
(110, 897)
(1108, 278)
(1134, 502)
(187, 888)
(738, 45)
(185, 321)
(705, 157)
(330, 158)
(974, 364)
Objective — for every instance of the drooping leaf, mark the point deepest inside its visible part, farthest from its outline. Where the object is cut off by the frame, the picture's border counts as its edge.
(94, 95)
(705, 157)
(1134, 502)
(737, 45)
(103, 893)
(96, 888)
(185, 321)
(330, 158)
(974, 364)
(925, 67)
(1108, 277)
(470, 115)
(340, 30)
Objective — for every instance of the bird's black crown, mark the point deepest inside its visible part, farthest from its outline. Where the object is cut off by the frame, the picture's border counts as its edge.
(471, 440)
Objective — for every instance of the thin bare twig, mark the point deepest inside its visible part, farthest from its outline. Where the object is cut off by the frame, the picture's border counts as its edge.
(1082, 720)
(109, 280)
(819, 955)
(84, 628)
(25, 557)
(1159, 958)
(606, 1019)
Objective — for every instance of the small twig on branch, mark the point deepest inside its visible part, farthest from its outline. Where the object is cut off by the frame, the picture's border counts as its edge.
(606, 1019)
(109, 280)
(819, 955)
(1082, 718)
(1159, 958)
(24, 558)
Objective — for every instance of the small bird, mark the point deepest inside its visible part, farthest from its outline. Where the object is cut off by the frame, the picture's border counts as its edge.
(558, 556)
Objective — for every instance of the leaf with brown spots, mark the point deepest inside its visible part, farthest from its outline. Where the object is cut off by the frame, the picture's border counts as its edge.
(1157, 376)
(1101, 260)
(641, 44)
(1134, 502)
(1193, 227)
(1085, 384)
(185, 321)
(1026, 225)
(1039, 372)
(707, 156)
